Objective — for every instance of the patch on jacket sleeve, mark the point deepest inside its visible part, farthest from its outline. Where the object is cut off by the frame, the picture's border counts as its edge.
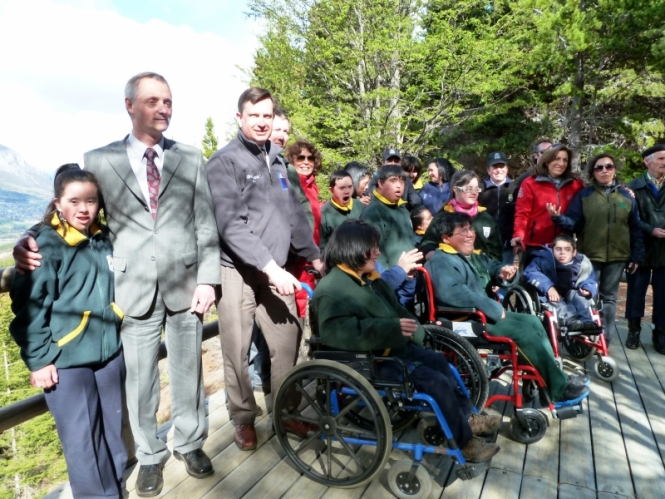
(486, 231)
(109, 259)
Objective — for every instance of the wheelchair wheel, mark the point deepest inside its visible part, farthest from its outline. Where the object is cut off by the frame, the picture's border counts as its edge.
(462, 354)
(533, 431)
(518, 300)
(578, 350)
(337, 453)
(606, 369)
(417, 488)
(400, 419)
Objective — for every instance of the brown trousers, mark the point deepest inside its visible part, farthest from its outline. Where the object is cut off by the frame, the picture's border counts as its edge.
(247, 296)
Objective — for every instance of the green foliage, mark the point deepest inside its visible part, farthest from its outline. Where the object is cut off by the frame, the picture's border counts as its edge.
(462, 78)
(209, 144)
(38, 461)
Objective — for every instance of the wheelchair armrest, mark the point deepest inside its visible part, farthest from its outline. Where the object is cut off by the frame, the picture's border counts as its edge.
(460, 311)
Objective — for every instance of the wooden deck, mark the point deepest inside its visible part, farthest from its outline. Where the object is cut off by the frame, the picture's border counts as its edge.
(615, 449)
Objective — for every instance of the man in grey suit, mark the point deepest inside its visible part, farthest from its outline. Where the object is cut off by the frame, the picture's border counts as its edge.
(166, 262)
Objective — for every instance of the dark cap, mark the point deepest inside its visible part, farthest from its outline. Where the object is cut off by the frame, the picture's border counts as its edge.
(495, 158)
(389, 153)
(653, 149)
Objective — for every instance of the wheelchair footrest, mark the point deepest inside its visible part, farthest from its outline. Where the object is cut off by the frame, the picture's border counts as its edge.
(471, 471)
(568, 409)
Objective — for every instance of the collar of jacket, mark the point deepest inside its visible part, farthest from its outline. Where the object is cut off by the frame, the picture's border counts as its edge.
(489, 183)
(346, 208)
(378, 196)
(272, 150)
(418, 184)
(71, 235)
(449, 208)
(309, 180)
(564, 181)
(419, 232)
(447, 248)
(601, 188)
(354, 275)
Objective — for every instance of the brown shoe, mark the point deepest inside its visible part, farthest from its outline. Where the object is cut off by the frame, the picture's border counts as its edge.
(245, 437)
(299, 428)
(477, 450)
(484, 423)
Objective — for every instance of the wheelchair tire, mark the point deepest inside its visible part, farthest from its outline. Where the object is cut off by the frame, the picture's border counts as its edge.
(518, 300)
(419, 488)
(536, 429)
(327, 448)
(607, 369)
(463, 355)
(578, 350)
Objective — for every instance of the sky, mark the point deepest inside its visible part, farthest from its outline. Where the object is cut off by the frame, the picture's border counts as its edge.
(64, 65)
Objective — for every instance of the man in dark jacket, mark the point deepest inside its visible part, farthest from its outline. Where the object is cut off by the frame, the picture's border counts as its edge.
(650, 197)
(258, 218)
(499, 198)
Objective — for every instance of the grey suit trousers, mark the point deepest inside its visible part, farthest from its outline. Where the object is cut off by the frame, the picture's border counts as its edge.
(247, 295)
(141, 337)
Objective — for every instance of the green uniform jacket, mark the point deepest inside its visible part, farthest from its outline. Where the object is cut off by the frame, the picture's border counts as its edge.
(353, 314)
(460, 282)
(332, 217)
(394, 224)
(652, 216)
(488, 238)
(64, 309)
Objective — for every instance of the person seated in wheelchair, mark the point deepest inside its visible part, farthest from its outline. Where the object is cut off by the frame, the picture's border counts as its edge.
(461, 278)
(566, 280)
(356, 310)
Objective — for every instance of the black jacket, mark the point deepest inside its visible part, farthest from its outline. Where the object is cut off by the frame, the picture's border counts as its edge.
(500, 203)
(651, 206)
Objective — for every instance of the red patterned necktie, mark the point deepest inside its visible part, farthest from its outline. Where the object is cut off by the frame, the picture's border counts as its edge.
(153, 180)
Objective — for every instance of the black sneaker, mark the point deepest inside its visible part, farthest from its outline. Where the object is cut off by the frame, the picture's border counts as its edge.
(579, 379)
(573, 392)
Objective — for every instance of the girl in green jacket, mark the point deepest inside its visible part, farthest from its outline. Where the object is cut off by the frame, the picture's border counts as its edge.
(68, 329)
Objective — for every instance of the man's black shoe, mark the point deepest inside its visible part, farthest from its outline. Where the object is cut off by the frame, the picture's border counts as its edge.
(573, 391)
(634, 330)
(196, 462)
(150, 481)
(579, 379)
(658, 339)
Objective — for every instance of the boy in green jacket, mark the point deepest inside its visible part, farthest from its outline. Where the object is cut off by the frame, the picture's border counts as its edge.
(340, 206)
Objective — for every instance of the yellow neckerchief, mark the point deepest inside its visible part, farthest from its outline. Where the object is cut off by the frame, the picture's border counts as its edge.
(418, 184)
(449, 208)
(420, 232)
(378, 196)
(346, 208)
(348, 270)
(447, 248)
(72, 236)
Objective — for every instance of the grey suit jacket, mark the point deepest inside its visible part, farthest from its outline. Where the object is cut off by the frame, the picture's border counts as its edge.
(179, 249)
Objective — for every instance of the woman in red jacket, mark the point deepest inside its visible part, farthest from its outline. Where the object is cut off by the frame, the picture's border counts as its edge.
(306, 159)
(552, 182)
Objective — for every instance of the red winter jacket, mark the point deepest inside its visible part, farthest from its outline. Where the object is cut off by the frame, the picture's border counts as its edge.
(532, 221)
(312, 192)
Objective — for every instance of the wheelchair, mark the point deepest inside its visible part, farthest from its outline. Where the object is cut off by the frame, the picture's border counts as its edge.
(357, 416)
(580, 345)
(528, 425)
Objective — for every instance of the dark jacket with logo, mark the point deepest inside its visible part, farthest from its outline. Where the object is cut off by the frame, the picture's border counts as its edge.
(607, 224)
(500, 203)
(259, 216)
(651, 206)
(488, 239)
(357, 314)
(64, 309)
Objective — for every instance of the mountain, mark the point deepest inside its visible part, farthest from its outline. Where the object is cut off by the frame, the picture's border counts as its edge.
(18, 176)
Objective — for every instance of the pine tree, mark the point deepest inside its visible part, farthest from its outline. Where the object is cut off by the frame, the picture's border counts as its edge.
(209, 142)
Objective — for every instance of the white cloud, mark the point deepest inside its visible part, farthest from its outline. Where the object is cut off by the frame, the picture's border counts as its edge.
(64, 67)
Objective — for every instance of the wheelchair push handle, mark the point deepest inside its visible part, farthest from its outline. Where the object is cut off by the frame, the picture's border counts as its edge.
(308, 289)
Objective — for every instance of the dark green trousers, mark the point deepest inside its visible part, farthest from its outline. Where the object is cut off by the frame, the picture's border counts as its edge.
(534, 344)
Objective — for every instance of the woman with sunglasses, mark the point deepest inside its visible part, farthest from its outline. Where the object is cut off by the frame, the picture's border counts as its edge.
(306, 159)
(465, 190)
(605, 218)
(551, 182)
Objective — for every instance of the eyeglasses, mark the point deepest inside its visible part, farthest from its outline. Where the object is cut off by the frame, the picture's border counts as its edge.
(465, 231)
(599, 168)
(302, 157)
(468, 189)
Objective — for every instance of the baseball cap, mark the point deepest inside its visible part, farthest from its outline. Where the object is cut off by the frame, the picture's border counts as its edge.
(389, 153)
(495, 158)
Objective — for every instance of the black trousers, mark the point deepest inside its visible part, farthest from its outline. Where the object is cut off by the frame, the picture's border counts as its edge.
(430, 373)
(87, 407)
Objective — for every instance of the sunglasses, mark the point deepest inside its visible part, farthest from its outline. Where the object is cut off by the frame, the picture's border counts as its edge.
(467, 189)
(302, 157)
(599, 168)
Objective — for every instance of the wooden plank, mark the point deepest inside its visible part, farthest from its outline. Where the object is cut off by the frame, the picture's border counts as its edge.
(501, 484)
(567, 491)
(645, 460)
(536, 487)
(542, 458)
(610, 459)
(576, 465)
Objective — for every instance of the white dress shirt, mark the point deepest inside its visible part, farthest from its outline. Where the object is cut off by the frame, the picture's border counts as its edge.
(139, 163)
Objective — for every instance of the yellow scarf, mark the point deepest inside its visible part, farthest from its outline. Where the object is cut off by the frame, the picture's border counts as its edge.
(346, 208)
(71, 235)
(399, 202)
(348, 270)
